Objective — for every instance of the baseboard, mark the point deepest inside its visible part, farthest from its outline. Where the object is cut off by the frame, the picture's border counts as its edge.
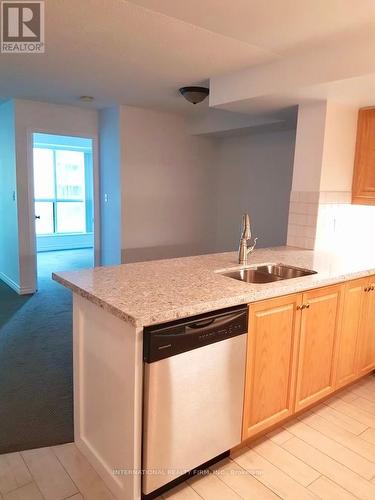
(27, 291)
(15, 286)
(116, 484)
(64, 242)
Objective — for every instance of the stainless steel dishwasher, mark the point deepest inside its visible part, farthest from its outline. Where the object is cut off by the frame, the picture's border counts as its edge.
(194, 371)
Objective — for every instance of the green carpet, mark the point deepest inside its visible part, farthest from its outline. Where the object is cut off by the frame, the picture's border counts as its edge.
(36, 400)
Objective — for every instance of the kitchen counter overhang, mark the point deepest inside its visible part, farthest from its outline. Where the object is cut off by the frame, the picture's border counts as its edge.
(152, 292)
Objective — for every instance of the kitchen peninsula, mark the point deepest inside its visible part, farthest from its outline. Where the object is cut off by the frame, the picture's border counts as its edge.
(112, 306)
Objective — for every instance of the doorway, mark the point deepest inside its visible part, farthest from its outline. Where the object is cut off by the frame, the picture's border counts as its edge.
(36, 329)
(63, 203)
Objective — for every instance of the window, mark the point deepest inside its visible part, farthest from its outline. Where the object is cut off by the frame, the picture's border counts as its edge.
(59, 187)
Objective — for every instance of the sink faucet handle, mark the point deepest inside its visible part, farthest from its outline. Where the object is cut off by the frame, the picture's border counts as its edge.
(244, 250)
(251, 248)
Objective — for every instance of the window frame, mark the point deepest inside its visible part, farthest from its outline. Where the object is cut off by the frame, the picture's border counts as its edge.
(56, 199)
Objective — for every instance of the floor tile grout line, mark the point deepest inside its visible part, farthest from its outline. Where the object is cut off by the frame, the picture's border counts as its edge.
(329, 479)
(325, 403)
(364, 396)
(32, 475)
(62, 465)
(307, 465)
(337, 484)
(17, 487)
(282, 471)
(255, 477)
(368, 401)
(75, 484)
(313, 481)
(280, 444)
(240, 496)
(359, 435)
(360, 395)
(192, 487)
(339, 463)
(340, 442)
(189, 487)
(328, 420)
(227, 485)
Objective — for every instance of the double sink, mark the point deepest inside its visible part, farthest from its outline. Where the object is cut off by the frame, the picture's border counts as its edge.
(267, 273)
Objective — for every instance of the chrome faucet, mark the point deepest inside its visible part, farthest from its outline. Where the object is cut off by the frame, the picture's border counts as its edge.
(245, 250)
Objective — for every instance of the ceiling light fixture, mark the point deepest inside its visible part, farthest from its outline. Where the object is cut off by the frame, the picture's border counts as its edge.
(194, 94)
(86, 98)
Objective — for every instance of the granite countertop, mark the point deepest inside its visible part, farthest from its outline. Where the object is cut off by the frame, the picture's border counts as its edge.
(154, 292)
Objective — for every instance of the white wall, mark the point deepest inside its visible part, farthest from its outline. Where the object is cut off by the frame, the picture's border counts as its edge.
(325, 147)
(255, 176)
(33, 116)
(168, 187)
(110, 185)
(339, 147)
(9, 254)
(185, 195)
(309, 147)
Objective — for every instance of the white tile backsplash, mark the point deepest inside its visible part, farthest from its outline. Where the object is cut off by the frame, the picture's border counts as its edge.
(327, 220)
(345, 226)
(303, 211)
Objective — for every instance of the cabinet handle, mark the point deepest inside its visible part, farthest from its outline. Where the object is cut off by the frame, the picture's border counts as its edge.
(303, 306)
(372, 288)
(366, 289)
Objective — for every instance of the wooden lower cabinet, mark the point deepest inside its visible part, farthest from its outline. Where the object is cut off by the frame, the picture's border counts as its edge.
(271, 363)
(320, 325)
(302, 347)
(366, 336)
(348, 341)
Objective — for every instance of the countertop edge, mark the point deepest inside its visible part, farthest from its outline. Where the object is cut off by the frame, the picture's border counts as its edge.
(199, 308)
(96, 300)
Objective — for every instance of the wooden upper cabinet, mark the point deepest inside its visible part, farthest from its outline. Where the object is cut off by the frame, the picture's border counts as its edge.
(271, 362)
(317, 351)
(364, 164)
(354, 293)
(366, 336)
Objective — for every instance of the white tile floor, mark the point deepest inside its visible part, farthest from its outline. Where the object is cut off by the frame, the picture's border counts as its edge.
(327, 453)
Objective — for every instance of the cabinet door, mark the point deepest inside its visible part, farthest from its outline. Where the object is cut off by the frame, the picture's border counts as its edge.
(316, 357)
(271, 362)
(366, 338)
(348, 336)
(364, 164)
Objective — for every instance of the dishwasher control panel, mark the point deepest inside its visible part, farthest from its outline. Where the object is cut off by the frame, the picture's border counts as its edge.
(163, 341)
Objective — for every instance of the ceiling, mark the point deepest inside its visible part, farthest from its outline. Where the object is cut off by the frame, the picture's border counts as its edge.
(275, 25)
(140, 52)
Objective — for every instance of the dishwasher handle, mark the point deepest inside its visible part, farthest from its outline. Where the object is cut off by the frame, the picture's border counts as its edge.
(164, 341)
(202, 324)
